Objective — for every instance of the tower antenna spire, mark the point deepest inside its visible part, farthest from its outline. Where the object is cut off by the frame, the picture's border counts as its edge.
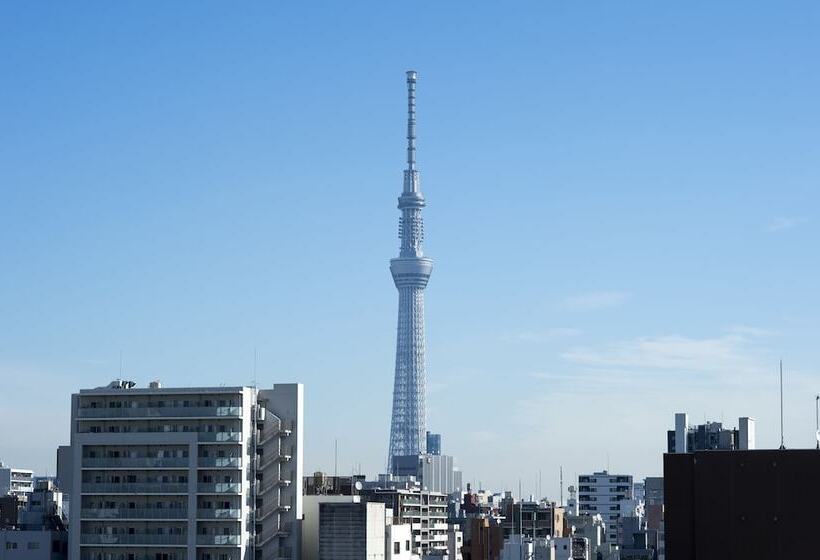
(411, 119)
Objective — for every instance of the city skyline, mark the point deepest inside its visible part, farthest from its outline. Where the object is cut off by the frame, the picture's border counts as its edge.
(625, 221)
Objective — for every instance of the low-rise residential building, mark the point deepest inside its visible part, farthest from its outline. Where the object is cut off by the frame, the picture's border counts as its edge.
(16, 482)
(533, 519)
(426, 512)
(39, 532)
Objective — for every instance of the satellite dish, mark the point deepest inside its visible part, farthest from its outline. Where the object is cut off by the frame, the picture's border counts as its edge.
(358, 485)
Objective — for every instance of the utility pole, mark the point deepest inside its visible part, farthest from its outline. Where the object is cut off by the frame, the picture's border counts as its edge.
(817, 420)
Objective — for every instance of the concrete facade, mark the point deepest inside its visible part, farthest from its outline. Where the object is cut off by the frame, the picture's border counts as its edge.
(602, 493)
(16, 482)
(201, 473)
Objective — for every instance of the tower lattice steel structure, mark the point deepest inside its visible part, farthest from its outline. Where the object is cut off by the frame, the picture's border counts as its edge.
(411, 271)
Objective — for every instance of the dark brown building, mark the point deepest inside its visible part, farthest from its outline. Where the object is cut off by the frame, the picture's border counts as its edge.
(742, 505)
(483, 539)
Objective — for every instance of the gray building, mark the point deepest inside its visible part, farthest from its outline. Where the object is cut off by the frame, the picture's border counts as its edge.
(351, 531)
(435, 473)
(16, 482)
(39, 530)
(204, 473)
(709, 436)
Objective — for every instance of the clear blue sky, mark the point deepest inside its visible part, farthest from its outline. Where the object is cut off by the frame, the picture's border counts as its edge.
(623, 210)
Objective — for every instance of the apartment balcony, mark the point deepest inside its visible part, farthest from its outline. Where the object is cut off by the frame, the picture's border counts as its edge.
(220, 437)
(219, 462)
(219, 488)
(139, 539)
(134, 488)
(161, 412)
(136, 513)
(135, 462)
(218, 514)
(218, 540)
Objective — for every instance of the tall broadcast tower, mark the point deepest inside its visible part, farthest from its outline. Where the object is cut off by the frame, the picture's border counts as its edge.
(411, 271)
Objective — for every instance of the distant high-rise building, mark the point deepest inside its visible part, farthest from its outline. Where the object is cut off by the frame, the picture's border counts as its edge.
(603, 493)
(709, 436)
(173, 473)
(433, 443)
(411, 271)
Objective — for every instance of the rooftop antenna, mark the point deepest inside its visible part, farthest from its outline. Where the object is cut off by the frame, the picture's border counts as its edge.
(411, 120)
(561, 482)
(336, 457)
(782, 444)
(255, 359)
(120, 364)
(817, 421)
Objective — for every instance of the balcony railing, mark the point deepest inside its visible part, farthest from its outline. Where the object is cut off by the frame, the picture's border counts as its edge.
(168, 540)
(219, 488)
(218, 540)
(220, 462)
(134, 488)
(135, 462)
(136, 513)
(161, 412)
(218, 513)
(220, 436)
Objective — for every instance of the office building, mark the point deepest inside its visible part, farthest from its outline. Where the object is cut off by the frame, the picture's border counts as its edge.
(711, 435)
(741, 504)
(351, 531)
(199, 473)
(433, 443)
(435, 473)
(16, 482)
(602, 493)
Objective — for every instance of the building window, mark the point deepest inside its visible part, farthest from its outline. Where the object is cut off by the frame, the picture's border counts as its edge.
(33, 545)
(11, 545)
(396, 548)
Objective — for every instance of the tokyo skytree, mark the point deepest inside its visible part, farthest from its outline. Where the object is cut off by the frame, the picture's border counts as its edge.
(411, 271)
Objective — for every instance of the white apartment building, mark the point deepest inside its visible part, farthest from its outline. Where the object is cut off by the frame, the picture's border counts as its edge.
(196, 473)
(426, 512)
(16, 482)
(602, 493)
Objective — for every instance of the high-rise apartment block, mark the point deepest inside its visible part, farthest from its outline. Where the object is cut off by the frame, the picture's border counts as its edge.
(602, 493)
(204, 473)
